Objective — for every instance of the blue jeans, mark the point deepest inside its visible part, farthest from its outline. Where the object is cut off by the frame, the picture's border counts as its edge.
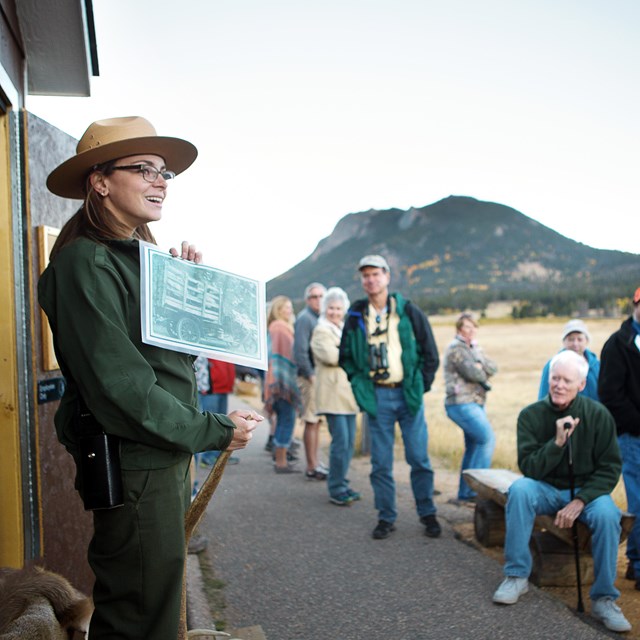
(630, 452)
(528, 498)
(213, 403)
(479, 440)
(285, 422)
(343, 435)
(392, 407)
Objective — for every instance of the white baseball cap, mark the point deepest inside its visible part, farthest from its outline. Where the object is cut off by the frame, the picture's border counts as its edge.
(374, 261)
(576, 326)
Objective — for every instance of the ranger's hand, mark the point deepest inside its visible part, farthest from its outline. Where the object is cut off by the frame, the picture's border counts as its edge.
(188, 252)
(246, 421)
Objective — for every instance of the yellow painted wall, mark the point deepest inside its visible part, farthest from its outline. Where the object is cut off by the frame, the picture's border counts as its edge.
(11, 541)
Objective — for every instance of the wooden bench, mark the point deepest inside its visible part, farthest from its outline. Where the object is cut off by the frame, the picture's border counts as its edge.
(551, 547)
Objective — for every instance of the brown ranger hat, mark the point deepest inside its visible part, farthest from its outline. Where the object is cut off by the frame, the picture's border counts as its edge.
(114, 138)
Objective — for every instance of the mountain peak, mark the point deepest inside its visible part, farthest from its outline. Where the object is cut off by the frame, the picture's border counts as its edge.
(460, 249)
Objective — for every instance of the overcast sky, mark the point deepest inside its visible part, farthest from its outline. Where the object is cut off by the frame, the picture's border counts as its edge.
(305, 111)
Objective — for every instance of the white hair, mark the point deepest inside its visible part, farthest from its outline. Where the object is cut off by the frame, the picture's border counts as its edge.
(334, 294)
(571, 358)
(313, 285)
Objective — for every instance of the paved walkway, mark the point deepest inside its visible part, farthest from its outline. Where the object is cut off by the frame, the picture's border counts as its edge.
(304, 569)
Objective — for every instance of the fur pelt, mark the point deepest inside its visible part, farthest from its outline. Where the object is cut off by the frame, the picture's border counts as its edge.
(25, 596)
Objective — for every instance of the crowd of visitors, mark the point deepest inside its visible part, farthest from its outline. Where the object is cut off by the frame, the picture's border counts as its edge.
(376, 356)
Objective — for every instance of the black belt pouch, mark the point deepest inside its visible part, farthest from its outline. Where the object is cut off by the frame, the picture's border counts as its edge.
(99, 466)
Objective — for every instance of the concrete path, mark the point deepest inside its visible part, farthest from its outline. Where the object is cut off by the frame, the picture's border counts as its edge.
(303, 569)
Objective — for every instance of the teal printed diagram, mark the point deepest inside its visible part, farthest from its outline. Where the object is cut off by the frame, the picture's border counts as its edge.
(201, 310)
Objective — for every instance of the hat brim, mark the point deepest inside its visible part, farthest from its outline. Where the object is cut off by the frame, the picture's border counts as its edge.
(68, 180)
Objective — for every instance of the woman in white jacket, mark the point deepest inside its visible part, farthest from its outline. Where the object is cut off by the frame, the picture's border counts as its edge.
(334, 397)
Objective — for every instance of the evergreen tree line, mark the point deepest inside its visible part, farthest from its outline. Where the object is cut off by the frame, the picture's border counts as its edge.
(566, 299)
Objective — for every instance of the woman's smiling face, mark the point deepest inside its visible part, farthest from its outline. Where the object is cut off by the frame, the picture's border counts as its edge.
(128, 196)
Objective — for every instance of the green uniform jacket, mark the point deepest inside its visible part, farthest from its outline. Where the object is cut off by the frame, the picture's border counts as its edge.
(419, 354)
(596, 457)
(143, 394)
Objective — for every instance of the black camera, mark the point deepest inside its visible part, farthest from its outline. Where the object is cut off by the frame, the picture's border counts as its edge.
(378, 361)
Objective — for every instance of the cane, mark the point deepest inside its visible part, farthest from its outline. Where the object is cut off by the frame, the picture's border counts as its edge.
(574, 527)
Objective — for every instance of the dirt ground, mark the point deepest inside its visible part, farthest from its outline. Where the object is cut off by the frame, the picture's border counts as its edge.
(629, 599)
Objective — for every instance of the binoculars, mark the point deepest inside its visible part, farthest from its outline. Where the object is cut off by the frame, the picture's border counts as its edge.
(378, 361)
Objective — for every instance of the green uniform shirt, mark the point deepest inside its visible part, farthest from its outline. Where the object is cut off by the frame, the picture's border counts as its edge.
(143, 394)
(594, 445)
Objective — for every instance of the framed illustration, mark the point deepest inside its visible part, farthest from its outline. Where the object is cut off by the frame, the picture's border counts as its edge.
(47, 237)
(201, 310)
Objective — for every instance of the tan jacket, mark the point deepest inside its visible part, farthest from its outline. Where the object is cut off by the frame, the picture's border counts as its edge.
(333, 391)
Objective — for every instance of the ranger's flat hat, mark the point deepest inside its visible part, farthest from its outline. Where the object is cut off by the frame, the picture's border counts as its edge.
(114, 138)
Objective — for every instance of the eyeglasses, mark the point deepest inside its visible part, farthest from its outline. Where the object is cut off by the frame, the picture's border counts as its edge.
(149, 172)
(317, 295)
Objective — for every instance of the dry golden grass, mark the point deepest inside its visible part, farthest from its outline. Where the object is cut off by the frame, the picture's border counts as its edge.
(520, 348)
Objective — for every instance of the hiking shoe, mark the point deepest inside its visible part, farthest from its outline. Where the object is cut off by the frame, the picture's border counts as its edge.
(432, 527)
(510, 589)
(342, 500)
(316, 474)
(354, 495)
(287, 469)
(609, 613)
(290, 457)
(197, 544)
(383, 530)
(630, 573)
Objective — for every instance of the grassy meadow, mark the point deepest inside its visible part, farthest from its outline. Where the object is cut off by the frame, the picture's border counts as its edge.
(520, 348)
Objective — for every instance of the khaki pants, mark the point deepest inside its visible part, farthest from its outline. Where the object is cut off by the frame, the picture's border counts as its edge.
(308, 396)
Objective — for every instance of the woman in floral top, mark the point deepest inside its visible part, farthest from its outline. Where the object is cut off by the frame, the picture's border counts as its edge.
(281, 395)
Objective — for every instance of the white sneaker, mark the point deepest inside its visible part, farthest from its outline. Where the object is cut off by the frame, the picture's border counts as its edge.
(609, 613)
(510, 590)
(322, 467)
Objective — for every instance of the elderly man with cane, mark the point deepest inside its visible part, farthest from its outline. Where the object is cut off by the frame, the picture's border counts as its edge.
(544, 429)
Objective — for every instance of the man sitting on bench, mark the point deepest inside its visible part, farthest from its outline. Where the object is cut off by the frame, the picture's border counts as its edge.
(543, 430)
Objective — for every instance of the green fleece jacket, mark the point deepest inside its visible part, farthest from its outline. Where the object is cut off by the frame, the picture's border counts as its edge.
(145, 395)
(419, 354)
(596, 457)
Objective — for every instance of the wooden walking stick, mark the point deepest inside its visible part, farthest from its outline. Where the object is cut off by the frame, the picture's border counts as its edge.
(574, 526)
(191, 519)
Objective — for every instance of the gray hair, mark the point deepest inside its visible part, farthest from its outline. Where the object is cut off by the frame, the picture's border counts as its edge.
(572, 358)
(334, 294)
(313, 285)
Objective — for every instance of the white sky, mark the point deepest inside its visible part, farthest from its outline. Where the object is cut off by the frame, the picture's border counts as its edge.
(304, 111)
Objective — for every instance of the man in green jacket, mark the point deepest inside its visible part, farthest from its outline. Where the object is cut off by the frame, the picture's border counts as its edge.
(543, 432)
(390, 357)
